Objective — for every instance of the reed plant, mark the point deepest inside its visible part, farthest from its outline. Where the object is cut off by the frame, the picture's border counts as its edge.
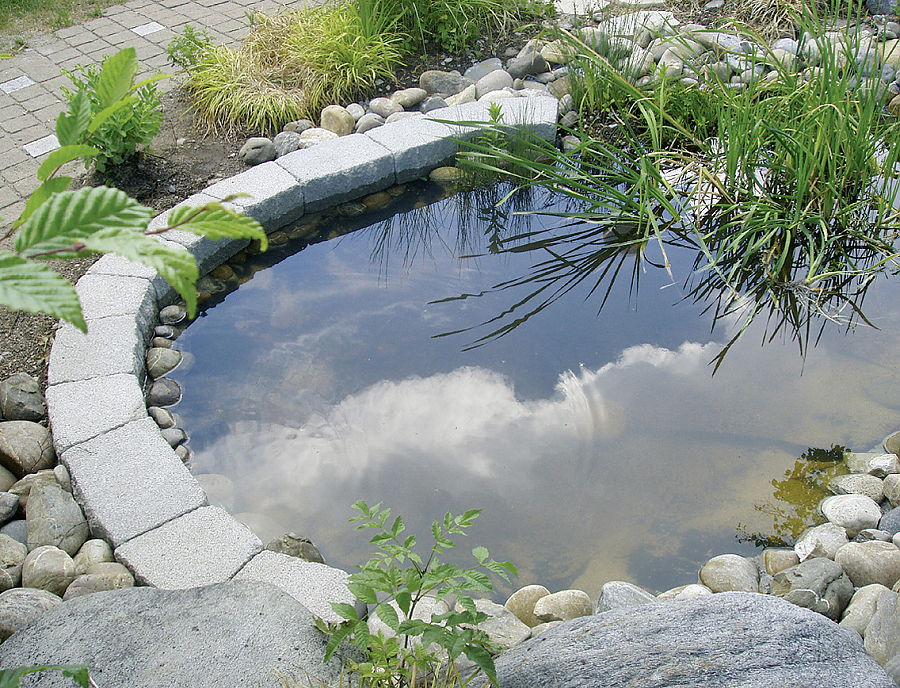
(791, 204)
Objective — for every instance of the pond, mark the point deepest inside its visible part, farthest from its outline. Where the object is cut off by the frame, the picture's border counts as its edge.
(601, 446)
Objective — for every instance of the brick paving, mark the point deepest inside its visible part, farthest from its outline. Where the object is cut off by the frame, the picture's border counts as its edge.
(30, 82)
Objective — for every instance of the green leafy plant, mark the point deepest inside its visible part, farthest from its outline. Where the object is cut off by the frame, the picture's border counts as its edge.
(132, 114)
(395, 593)
(291, 66)
(10, 678)
(186, 50)
(58, 223)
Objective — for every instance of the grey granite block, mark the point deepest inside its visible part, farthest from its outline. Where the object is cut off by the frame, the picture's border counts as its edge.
(129, 481)
(117, 266)
(81, 410)
(103, 296)
(275, 198)
(202, 547)
(537, 114)
(209, 253)
(339, 170)
(111, 346)
(315, 586)
(417, 146)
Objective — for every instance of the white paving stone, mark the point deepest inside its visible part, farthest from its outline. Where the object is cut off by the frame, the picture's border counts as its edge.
(339, 170)
(42, 145)
(202, 547)
(148, 28)
(79, 411)
(129, 481)
(16, 84)
(273, 196)
(112, 345)
(314, 585)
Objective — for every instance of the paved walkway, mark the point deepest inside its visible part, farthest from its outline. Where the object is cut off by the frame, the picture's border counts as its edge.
(30, 95)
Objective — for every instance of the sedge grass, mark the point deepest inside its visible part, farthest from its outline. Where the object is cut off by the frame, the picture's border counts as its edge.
(290, 66)
(791, 206)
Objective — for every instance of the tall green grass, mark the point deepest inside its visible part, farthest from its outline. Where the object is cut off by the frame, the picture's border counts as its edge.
(291, 66)
(790, 204)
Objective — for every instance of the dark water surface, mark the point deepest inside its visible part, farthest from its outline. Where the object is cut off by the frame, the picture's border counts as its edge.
(600, 448)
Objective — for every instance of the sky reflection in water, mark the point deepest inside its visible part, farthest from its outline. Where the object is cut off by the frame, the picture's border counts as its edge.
(601, 448)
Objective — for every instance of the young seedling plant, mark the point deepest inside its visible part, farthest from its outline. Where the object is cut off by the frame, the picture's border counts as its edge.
(62, 224)
(395, 582)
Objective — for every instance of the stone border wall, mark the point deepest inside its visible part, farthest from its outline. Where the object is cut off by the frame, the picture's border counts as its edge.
(135, 491)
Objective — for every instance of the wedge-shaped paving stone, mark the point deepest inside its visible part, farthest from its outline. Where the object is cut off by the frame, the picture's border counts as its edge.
(274, 198)
(111, 346)
(81, 410)
(104, 296)
(202, 547)
(538, 115)
(209, 253)
(129, 481)
(314, 585)
(417, 145)
(339, 170)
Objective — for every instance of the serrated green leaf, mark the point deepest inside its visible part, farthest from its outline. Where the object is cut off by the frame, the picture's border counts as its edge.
(345, 611)
(71, 126)
(476, 580)
(35, 288)
(117, 77)
(404, 599)
(363, 592)
(361, 636)
(466, 602)
(40, 195)
(61, 156)
(72, 216)
(470, 516)
(175, 264)
(388, 614)
(398, 527)
(108, 112)
(78, 674)
(483, 659)
(481, 554)
(335, 640)
(9, 678)
(215, 221)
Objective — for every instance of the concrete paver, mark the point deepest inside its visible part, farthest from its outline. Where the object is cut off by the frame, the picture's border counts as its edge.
(30, 82)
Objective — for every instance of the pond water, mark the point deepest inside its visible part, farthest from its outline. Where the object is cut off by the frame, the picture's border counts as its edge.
(600, 446)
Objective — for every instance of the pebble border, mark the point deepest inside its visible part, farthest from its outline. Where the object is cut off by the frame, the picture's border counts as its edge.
(135, 491)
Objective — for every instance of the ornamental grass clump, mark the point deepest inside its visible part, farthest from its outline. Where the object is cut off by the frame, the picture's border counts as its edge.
(786, 190)
(293, 64)
(290, 66)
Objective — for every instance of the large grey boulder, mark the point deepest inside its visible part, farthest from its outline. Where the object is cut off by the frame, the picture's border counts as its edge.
(21, 607)
(228, 634)
(728, 640)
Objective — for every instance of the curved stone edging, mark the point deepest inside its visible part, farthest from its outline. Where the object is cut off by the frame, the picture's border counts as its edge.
(134, 489)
